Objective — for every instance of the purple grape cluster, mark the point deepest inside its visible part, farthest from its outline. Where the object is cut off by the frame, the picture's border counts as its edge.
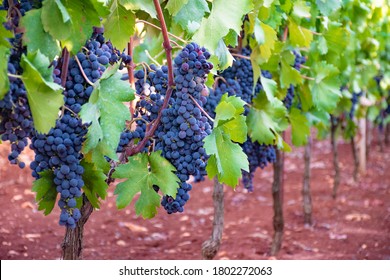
(259, 155)
(183, 126)
(60, 149)
(16, 124)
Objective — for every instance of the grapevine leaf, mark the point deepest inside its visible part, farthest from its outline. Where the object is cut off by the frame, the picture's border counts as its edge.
(327, 7)
(106, 112)
(95, 185)
(299, 36)
(301, 10)
(289, 75)
(44, 96)
(322, 45)
(336, 38)
(70, 21)
(46, 191)
(266, 119)
(142, 173)
(264, 51)
(299, 127)
(120, 25)
(225, 15)
(269, 86)
(4, 81)
(325, 88)
(4, 33)
(225, 58)
(227, 158)
(174, 6)
(143, 5)
(35, 36)
(191, 14)
(97, 157)
(231, 38)
(229, 117)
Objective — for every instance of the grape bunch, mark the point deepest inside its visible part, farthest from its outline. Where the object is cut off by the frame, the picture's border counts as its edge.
(183, 127)
(288, 99)
(60, 149)
(259, 155)
(16, 124)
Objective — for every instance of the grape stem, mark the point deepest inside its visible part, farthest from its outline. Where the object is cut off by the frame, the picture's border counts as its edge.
(216, 81)
(315, 33)
(304, 66)
(82, 71)
(159, 28)
(241, 56)
(151, 127)
(14, 76)
(201, 109)
(307, 78)
(152, 59)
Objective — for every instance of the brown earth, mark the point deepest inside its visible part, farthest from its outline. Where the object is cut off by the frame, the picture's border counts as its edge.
(354, 226)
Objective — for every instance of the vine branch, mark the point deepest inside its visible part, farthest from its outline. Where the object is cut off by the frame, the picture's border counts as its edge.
(130, 71)
(65, 64)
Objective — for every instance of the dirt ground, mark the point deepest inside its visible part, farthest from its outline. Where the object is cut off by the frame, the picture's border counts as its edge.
(354, 226)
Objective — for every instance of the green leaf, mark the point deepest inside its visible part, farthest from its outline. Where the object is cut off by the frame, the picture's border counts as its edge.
(4, 81)
(142, 172)
(266, 119)
(227, 158)
(300, 9)
(289, 75)
(46, 191)
(264, 51)
(229, 117)
(4, 33)
(106, 112)
(120, 25)
(336, 37)
(225, 58)
(299, 36)
(35, 36)
(44, 96)
(190, 15)
(95, 185)
(269, 87)
(300, 129)
(231, 39)
(225, 15)
(134, 5)
(325, 88)
(174, 6)
(97, 157)
(327, 7)
(70, 21)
